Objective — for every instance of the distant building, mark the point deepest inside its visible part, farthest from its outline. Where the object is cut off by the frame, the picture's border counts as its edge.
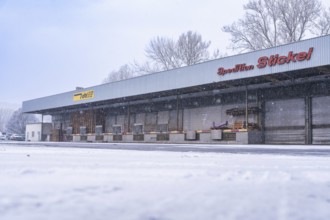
(279, 95)
(38, 132)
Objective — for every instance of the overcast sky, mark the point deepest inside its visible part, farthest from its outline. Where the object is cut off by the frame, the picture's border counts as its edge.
(51, 46)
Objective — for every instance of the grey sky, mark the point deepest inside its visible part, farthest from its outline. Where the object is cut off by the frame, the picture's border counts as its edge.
(52, 46)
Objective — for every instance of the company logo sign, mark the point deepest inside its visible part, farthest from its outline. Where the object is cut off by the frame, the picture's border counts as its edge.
(83, 95)
(270, 61)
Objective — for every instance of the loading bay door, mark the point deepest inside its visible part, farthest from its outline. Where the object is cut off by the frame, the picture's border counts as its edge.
(285, 121)
(321, 120)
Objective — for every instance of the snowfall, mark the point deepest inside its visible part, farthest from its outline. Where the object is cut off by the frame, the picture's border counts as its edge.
(64, 183)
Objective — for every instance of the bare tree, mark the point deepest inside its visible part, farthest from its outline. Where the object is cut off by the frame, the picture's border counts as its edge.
(323, 25)
(18, 121)
(4, 117)
(268, 23)
(191, 49)
(124, 72)
(217, 54)
(146, 68)
(165, 53)
(162, 51)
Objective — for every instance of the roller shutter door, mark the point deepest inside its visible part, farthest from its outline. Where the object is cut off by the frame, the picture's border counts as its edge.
(123, 121)
(150, 122)
(321, 120)
(201, 118)
(285, 121)
(109, 122)
(139, 118)
(175, 120)
(163, 117)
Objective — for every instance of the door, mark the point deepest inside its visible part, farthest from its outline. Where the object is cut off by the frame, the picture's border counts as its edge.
(285, 121)
(321, 120)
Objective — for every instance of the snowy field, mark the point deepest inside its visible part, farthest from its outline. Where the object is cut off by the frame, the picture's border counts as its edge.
(45, 183)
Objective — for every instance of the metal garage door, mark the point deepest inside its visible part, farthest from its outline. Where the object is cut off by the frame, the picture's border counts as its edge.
(201, 118)
(163, 117)
(285, 121)
(321, 120)
(109, 122)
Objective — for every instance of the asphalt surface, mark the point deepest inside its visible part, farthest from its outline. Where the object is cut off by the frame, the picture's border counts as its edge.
(292, 150)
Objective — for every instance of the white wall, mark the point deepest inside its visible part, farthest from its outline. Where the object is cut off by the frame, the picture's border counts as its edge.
(33, 131)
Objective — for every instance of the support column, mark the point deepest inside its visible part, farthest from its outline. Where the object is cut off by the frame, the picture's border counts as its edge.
(60, 133)
(262, 121)
(42, 126)
(246, 108)
(128, 118)
(177, 112)
(308, 120)
(93, 122)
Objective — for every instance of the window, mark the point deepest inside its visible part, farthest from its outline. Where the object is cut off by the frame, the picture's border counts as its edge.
(32, 135)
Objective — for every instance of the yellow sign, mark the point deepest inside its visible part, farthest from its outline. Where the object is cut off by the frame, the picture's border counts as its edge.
(83, 95)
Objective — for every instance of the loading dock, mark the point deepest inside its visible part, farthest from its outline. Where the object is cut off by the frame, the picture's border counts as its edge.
(283, 99)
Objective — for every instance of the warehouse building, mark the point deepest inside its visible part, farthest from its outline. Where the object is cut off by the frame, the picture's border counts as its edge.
(279, 95)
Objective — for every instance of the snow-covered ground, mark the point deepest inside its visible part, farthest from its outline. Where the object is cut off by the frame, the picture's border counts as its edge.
(42, 183)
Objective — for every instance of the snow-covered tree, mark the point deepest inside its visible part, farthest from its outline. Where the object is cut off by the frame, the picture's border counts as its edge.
(18, 121)
(165, 53)
(268, 23)
(124, 72)
(4, 117)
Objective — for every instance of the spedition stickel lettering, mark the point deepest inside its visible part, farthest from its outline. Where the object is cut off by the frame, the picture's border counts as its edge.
(280, 60)
(270, 61)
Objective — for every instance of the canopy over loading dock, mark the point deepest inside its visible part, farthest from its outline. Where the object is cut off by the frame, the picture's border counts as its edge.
(277, 95)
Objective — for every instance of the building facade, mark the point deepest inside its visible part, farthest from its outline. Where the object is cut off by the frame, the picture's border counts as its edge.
(38, 132)
(279, 95)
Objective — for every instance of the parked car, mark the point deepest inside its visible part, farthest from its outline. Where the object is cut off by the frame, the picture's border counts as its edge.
(3, 137)
(8, 136)
(17, 137)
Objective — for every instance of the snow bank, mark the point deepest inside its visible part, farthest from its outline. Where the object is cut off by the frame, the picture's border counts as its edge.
(70, 183)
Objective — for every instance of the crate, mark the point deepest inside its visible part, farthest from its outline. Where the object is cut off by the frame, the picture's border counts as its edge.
(117, 137)
(230, 136)
(138, 137)
(163, 137)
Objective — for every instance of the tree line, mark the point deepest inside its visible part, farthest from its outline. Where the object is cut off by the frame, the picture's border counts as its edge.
(265, 23)
(164, 53)
(14, 122)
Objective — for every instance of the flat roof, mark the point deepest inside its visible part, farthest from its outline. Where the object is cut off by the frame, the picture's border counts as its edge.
(287, 58)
